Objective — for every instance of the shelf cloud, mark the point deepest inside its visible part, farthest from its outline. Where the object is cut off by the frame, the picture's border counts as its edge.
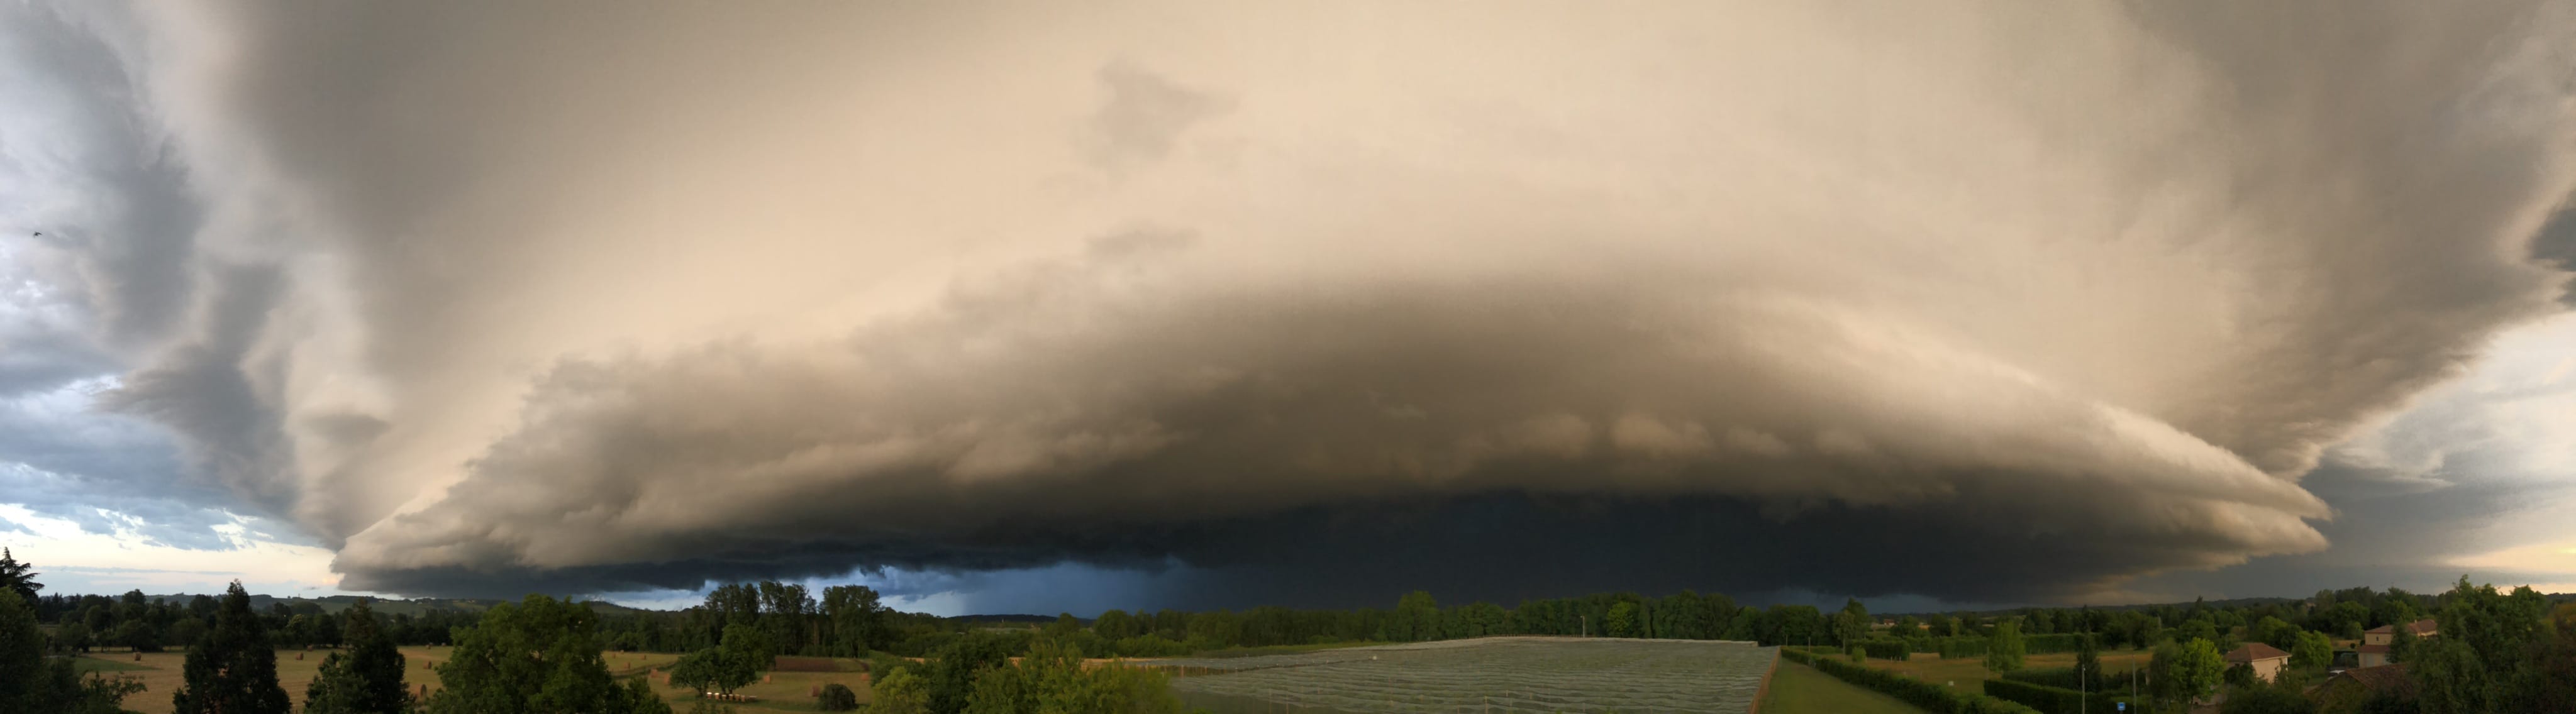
(1985, 302)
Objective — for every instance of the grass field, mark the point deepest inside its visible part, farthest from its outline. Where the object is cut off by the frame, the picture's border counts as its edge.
(161, 675)
(1800, 689)
(1492, 674)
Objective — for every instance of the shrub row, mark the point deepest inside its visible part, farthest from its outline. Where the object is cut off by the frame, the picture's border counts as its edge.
(1931, 697)
(2049, 700)
(1894, 649)
(1957, 647)
(2045, 644)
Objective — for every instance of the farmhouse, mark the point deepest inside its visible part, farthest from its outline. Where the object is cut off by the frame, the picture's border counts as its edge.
(2374, 641)
(2266, 660)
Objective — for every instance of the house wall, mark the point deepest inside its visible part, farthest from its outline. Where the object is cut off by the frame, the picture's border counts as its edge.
(2267, 669)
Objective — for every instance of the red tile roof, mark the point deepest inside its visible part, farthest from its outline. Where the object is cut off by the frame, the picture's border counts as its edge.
(2255, 651)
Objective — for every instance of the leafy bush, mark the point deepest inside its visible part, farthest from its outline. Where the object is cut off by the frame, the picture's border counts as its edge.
(1931, 697)
(837, 698)
(2049, 700)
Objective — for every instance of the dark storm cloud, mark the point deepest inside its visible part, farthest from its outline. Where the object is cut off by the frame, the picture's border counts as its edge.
(205, 389)
(584, 298)
(2556, 242)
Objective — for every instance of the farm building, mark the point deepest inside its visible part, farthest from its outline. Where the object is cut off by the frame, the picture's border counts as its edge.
(2266, 660)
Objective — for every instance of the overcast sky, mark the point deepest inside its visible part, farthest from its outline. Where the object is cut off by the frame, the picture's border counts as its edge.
(1052, 307)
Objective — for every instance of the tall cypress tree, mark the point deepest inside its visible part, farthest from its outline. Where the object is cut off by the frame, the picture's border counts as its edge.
(368, 679)
(233, 670)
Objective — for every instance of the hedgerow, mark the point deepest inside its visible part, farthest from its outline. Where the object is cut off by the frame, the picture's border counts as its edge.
(1933, 698)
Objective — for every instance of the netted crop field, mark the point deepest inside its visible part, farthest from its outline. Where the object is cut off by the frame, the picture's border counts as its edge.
(1490, 675)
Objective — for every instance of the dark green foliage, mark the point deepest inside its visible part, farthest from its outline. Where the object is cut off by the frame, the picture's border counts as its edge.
(1417, 618)
(32, 684)
(950, 677)
(856, 617)
(234, 669)
(2052, 644)
(1622, 621)
(2260, 698)
(1930, 697)
(1052, 678)
(541, 656)
(2004, 648)
(723, 668)
(836, 698)
(2062, 678)
(2088, 666)
(1852, 624)
(1960, 647)
(1114, 625)
(2049, 700)
(19, 577)
(2480, 661)
(2237, 675)
(368, 679)
(1894, 649)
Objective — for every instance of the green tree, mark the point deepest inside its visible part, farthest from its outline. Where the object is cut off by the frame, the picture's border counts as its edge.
(2312, 649)
(950, 677)
(367, 679)
(856, 617)
(2484, 648)
(186, 632)
(1114, 625)
(540, 656)
(1622, 621)
(2088, 664)
(726, 667)
(137, 634)
(2004, 648)
(33, 684)
(234, 669)
(899, 693)
(74, 637)
(1417, 618)
(18, 577)
(1852, 624)
(2186, 672)
(2275, 632)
